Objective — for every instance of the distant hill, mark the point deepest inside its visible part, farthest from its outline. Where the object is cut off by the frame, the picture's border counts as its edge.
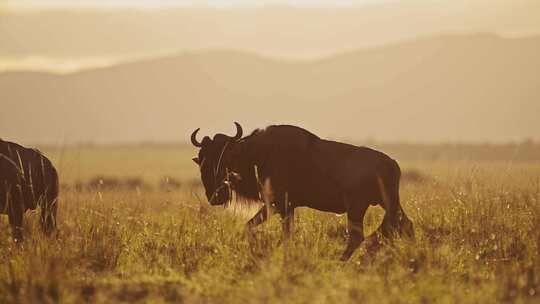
(273, 30)
(446, 87)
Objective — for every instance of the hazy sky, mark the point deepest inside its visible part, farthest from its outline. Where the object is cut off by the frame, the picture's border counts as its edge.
(42, 35)
(39, 4)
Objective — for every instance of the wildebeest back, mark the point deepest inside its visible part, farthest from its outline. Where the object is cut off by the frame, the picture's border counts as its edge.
(30, 173)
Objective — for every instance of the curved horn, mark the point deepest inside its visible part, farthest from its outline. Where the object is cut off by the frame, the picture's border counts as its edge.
(194, 138)
(239, 131)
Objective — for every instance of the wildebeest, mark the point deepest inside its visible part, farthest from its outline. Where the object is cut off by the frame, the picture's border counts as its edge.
(287, 167)
(27, 180)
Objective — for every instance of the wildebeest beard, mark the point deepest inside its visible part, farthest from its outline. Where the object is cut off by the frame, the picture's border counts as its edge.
(217, 162)
(228, 170)
(241, 171)
(213, 170)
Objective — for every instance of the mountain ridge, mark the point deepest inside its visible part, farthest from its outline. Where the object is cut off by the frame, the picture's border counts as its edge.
(466, 87)
(284, 59)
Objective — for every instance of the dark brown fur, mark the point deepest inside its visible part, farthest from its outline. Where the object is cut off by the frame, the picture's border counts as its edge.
(289, 167)
(27, 180)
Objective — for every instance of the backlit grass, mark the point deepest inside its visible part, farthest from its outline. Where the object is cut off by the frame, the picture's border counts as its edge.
(477, 230)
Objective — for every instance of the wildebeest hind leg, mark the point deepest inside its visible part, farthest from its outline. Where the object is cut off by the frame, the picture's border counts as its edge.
(395, 221)
(385, 230)
(15, 214)
(355, 226)
(406, 228)
(397, 224)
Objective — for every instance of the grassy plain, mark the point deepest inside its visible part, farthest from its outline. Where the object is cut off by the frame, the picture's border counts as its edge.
(476, 216)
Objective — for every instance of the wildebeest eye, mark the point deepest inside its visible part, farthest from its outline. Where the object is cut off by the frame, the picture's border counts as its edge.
(233, 177)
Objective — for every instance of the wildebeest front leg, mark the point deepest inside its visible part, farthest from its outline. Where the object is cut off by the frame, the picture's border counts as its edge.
(259, 218)
(355, 226)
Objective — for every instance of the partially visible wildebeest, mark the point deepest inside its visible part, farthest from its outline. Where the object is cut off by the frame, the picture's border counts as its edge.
(27, 180)
(288, 167)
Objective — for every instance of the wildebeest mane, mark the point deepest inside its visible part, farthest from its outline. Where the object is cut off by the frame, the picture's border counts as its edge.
(246, 188)
(252, 151)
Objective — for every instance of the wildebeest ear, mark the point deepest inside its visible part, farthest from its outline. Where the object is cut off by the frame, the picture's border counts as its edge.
(196, 160)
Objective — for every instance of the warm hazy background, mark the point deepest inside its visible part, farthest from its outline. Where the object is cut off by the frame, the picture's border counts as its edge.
(131, 71)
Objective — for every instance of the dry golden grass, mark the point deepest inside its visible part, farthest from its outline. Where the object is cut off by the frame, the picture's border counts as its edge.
(477, 241)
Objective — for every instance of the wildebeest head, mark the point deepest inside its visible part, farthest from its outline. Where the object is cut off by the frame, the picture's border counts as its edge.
(211, 161)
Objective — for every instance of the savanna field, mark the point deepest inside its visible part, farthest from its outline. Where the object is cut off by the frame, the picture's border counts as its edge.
(134, 226)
